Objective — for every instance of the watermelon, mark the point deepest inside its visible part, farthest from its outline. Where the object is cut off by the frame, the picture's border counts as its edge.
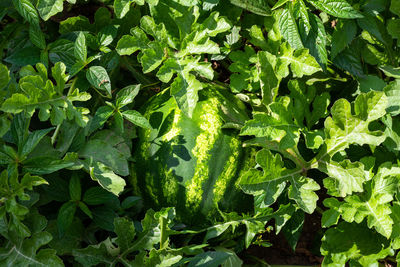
(192, 164)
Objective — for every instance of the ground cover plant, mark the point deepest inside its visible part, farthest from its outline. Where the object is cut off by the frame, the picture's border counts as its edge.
(199, 132)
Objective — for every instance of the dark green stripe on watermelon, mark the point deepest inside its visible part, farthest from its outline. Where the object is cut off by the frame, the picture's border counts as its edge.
(190, 163)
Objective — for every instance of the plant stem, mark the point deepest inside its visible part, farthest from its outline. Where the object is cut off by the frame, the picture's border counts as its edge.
(54, 137)
(164, 235)
(138, 76)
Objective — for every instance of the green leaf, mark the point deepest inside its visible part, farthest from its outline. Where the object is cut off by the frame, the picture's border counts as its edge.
(350, 241)
(136, 118)
(373, 203)
(26, 9)
(26, 56)
(101, 116)
(269, 81)
(392, 92)
(129, 202)
(345, 177)
(257, 38)
(316, 40)
(75, 188)
(396, 225)
(98, 78)
(20, 129)
(389, 71)
(107, 34)
(344, 128)
(184, 89)
(71, 24)
(293, 228)
(28, 252)
(80, 49)
(129, 44)
(40, 93)
(151, 57)
(126, 95)
(71, 239)
(302, 190)
(349, 60)
(304, 15)
(371, 83)
(277, 125)
(94, 255)
(48, 8)
(97, 196)
(65, 216)
(36, 36)
(104, 152)
(393, 28)
(344, 33)
(288, 29)
(259, 7)
(209, 259)
(58, 72)
(125, 231)
(33, 140)
(46, 165)
(121, 7)
(4, 76)
(62, 50)
(376, 27)
(270, 183)
(337, 8)
(107, 178)
(245, 74)
(104, 216)
(300, 61)
(392, 131)
(395, 7)
(279, 4)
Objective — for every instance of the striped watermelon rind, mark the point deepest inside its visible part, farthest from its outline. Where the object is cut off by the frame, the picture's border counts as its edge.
(191, 163)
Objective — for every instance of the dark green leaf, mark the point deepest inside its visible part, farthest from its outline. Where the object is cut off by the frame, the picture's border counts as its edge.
(337, 8)
(209, 259)
(344, 33)
(102, 151)
(33, 140)
(36, 36)
(97, 196)
(125, 231)
(259, 7)
(75, 187)
(395, 7)
(65, 216)
(4, 76)
(351, 241)
(27, 252)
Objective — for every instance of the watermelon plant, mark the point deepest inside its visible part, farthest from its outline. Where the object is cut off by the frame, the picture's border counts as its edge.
(199, 133)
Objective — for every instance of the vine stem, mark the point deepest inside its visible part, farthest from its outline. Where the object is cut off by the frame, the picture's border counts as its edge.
(54, 137)
(70, 90)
